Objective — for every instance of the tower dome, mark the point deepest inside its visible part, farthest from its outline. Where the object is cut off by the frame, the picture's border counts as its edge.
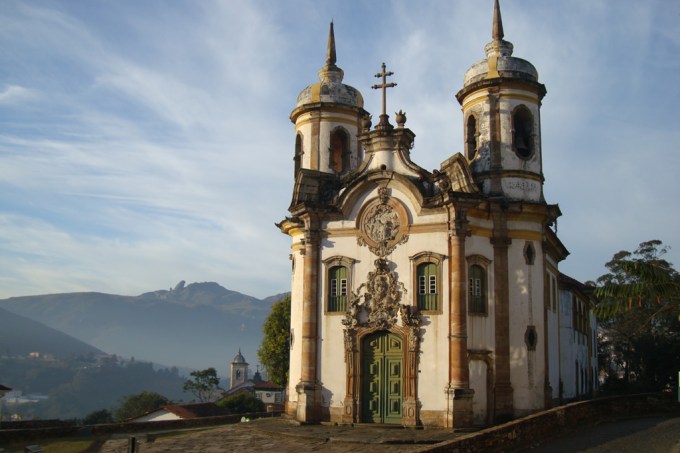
(501, 99)
(499, 61)
(239, 358)
(328, 118)
(330, 88)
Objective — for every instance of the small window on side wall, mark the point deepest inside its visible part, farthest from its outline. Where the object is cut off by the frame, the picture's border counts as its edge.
(337, 289)
(428, 290)
(478, 292)
(338, 283)
(427, 281)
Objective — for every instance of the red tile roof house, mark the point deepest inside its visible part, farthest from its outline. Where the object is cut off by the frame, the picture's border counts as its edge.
(182, 412)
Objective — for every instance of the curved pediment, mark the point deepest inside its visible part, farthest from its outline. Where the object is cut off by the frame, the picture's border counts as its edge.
(457, 174)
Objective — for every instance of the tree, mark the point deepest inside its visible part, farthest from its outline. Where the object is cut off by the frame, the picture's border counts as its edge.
(638, 311)
(203, 385)
(136, 405)
(242, 403)
(640, 279)
(98, 417)
(274, 351)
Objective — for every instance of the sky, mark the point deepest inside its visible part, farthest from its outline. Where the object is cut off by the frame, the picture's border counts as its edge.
(144, 143)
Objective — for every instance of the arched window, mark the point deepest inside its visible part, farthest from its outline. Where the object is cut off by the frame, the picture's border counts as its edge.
(523, 132)
(471, 137)
(298, 155)
(339, 151)
(427, 281)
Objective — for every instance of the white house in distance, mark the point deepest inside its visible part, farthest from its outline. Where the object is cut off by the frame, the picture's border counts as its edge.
(182, 412)
(427, 298)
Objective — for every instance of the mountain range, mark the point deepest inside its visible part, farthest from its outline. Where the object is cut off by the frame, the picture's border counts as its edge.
(199, 325)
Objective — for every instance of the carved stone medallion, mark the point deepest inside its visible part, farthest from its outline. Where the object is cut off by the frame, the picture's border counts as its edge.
(382, 224)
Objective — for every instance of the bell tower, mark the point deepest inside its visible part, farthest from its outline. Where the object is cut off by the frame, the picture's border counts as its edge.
(238, 370)
(327, 119)
(501, 99)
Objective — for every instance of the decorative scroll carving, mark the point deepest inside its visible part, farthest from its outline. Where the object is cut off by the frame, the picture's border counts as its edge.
(379, 306)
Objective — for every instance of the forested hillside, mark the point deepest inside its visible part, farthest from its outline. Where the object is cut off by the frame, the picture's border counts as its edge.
(80, 385)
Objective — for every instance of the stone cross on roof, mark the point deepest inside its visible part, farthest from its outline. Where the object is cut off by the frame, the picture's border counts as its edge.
(384, 85)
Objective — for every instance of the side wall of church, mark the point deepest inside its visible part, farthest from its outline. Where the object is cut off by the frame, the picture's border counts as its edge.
(526, 313)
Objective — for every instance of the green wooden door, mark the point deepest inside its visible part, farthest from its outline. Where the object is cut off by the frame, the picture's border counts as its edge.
(382, 357)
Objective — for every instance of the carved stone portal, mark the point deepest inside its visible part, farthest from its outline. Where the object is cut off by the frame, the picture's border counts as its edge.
(375, 307)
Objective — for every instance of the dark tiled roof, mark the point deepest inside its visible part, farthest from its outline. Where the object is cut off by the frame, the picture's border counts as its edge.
(268, 385)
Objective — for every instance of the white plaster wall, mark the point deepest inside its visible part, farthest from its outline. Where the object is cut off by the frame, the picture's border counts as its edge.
(478, 383)
(297, 280)
(526, 302)
(553, 353)
(157, 416)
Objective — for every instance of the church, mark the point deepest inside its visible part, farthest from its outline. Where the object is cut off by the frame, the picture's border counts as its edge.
(430, 298)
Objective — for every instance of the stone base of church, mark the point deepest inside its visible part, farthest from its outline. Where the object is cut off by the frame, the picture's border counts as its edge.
(308, 407)
(346, 414)
(410, 417)
(459, 415)
(433, 419)
(504, 408)
(291, 408)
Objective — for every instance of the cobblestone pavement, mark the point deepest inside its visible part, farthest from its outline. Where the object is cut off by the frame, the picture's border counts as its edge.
(648, 435)
(280, 435)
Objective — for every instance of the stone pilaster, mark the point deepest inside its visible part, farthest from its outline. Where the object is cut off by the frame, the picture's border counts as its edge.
(458, 390)
(308, 389)
(503, 392)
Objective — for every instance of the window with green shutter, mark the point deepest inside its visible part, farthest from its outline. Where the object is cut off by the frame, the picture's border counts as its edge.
(477, 290)
(428, 291)
(337, 289)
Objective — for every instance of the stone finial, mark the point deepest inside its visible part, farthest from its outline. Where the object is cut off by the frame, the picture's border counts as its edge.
(400, 117)
(330, 50)
(497, 32)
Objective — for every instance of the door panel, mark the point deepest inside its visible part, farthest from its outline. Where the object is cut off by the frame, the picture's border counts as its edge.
(381, 384)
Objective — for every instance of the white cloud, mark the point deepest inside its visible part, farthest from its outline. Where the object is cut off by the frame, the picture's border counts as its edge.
(141, 146)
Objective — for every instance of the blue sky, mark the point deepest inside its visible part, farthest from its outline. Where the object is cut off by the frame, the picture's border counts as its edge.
(144, 143)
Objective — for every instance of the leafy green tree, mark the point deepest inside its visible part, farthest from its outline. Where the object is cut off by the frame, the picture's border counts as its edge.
(99, 417)
(242, 403)
(640, 279)
(203, 385)
(274, 351)
(136, 405)
(638, 311)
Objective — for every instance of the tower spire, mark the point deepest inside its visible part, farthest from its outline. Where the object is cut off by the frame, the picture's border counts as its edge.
(497, 32)
(330, 51)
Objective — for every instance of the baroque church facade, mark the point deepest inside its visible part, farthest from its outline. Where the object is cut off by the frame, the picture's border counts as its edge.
(428, 298)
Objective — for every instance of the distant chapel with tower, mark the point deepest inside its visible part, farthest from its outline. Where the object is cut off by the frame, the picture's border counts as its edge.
(430, 298)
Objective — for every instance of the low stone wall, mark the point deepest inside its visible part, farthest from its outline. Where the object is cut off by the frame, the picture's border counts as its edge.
(538, 427)
(9, 436)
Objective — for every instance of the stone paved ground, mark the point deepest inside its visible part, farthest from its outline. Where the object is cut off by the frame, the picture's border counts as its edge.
(280, 435)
